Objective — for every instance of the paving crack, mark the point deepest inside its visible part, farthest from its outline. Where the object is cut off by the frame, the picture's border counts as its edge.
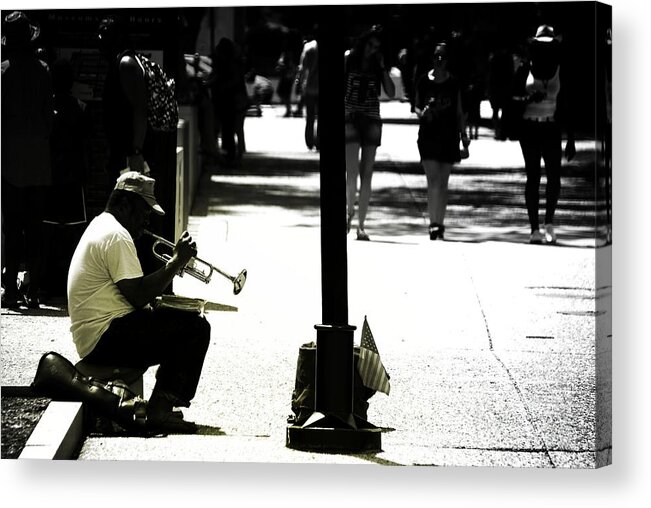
(506, 369)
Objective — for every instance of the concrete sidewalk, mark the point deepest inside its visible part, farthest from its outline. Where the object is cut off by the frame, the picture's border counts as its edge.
(499, 352)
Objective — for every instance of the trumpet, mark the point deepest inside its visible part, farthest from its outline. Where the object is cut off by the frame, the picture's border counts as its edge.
(197, 268)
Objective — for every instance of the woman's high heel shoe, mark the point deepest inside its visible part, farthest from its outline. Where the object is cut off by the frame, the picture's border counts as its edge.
(436, 231)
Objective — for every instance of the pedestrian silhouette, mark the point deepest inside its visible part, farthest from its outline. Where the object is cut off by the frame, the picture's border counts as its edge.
(365, 75)
(307, 84)
(541, 136)
(441, 126)
(500, 75)
(65, 216)
(70, 149)
(27, 115)
(229, 96)
(287, 68)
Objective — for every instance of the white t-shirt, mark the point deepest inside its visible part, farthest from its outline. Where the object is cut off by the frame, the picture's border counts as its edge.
(105, 255)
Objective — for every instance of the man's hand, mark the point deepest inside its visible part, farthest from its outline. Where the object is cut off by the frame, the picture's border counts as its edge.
(465, 140)
(185, 249)
(143, 290)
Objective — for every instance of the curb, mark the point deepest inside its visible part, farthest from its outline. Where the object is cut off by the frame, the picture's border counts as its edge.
(58, 434)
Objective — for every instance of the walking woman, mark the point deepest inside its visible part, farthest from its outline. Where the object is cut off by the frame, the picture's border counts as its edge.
(365, 73)
(540, 133)
(442, 125)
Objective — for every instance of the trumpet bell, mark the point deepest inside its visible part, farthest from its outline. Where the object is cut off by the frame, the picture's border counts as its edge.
(238, 282)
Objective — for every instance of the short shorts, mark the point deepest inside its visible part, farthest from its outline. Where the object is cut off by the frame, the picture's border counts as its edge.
(363, 130)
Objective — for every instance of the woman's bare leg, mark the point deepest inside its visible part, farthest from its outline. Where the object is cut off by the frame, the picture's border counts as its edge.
(438, 176)
(366, 176)
(352, 172)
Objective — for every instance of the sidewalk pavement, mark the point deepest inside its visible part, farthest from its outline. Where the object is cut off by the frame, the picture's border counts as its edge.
(499, 351)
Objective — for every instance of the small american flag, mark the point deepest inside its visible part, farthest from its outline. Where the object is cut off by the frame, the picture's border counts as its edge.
(369, 366)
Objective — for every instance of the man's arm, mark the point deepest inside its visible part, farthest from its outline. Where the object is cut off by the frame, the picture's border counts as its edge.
(420, 108)
(300, 74)
(387, 82)
(567, 114)
(132, 79)
(143, 290)
(461, 122)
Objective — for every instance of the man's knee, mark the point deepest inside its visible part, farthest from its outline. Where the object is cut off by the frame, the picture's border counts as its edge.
(195, 338)
(193, 327)
(204, 326)
(199, 328)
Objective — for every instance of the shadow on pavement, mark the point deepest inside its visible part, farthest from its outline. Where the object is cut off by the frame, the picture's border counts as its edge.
(207, 430)
(485, 204)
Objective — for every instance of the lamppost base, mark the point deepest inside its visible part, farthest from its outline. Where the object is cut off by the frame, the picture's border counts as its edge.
(335, 434)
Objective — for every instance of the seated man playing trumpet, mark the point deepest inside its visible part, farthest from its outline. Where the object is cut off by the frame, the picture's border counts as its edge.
(108, 297)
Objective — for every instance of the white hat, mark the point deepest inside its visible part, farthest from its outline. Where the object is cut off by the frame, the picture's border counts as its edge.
(135, 182)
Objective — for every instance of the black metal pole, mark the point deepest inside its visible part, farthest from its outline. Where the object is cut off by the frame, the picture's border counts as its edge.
(334, 254)
(333, 425)
(334, 349)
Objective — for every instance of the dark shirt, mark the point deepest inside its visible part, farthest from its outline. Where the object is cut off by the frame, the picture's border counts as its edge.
(442, 99)
(27, 113)
(70, 135)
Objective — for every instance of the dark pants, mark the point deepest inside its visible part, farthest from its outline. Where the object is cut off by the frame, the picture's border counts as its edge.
(541, 140)
(228, 134)
(160, 153)
(311, 115)
(177, 341)
(22, 214)
(231, 121)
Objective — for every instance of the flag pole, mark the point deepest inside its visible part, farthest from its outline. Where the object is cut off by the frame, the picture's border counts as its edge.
(333, 426)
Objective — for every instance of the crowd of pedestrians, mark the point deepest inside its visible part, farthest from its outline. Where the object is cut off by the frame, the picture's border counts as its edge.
(445, 79)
